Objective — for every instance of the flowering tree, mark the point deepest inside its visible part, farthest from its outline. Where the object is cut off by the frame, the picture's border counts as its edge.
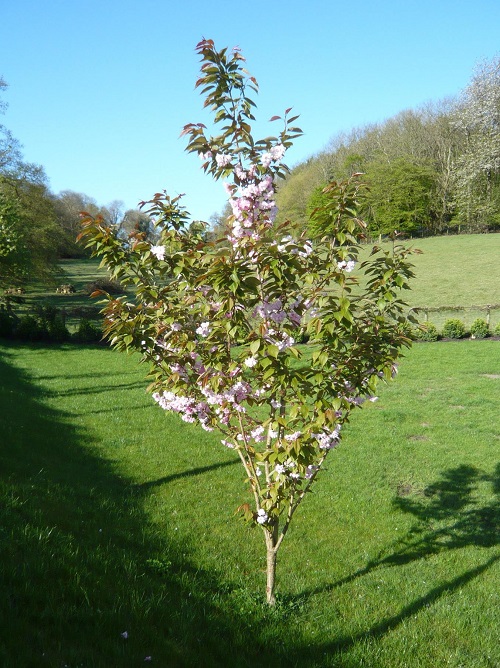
(219, 322)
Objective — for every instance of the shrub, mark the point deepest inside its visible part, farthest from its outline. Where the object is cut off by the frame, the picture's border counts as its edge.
(7, 321)
(52, 323)
(28, 329)
(88, 332)
(106, 285)
(45, 323)
(479, 329)
(454, 329)
(426, 332)
(496, 331)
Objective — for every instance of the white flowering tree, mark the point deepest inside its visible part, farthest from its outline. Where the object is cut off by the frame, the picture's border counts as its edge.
(219, 323)
(477, 170)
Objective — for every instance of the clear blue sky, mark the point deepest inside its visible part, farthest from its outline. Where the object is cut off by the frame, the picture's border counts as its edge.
(100, 89)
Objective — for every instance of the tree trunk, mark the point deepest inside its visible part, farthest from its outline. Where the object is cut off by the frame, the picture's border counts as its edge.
(271, 534)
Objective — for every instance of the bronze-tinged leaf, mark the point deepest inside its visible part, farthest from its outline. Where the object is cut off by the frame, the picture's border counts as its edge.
(275, 118)
(244, 508)
(97, 293)
(287, 111)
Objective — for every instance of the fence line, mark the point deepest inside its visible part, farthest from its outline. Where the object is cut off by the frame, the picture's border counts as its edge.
(485, 308)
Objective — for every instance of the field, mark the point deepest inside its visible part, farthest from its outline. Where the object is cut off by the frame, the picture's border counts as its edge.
(455, 271)
(116, 517)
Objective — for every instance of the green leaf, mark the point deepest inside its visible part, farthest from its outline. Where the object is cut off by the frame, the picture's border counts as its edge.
(254, 346)
(272, 350)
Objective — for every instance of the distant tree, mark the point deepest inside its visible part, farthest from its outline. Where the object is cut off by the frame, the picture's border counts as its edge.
(28, 231)
(68, 205)
(401, 196)
(294, 191)
(136, 221)
(477, 170)
(113, 213)
(219, 224)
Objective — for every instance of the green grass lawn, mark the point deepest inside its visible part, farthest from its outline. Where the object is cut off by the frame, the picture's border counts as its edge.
(462, 270)
(116, 517)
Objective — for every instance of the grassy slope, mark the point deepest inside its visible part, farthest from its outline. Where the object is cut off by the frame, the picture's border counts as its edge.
(452, 271)
(116, 517)
(458, 270)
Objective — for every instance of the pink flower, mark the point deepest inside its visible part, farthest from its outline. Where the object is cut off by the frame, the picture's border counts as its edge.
(277, 152)
(222, 160)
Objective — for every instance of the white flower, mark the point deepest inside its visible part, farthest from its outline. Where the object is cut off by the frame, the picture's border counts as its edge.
(203, 329)
(279, 468)
(158, 252)
(250, 362)
(262, 516)
(346, 265)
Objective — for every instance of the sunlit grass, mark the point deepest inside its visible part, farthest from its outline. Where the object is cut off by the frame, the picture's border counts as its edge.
(118, 517)
(460, 270)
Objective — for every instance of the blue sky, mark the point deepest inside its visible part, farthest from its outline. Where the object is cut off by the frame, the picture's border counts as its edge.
(100, 89)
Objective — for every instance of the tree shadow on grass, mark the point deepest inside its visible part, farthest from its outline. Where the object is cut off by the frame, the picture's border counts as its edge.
(185, 474)
(80, 565)
(452, 513)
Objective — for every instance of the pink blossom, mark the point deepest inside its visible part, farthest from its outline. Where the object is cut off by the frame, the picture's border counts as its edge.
(222, 159)
(277, 152)
(258, 434)
(266, 159)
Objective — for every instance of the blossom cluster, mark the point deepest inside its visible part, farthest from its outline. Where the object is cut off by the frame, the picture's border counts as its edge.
(287, 469)
(327, 440)
(274, 311)
(252, 196)
(188, 408)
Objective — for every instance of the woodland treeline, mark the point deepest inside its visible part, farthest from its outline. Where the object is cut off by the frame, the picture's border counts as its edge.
(38, 227)
(429, 171)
